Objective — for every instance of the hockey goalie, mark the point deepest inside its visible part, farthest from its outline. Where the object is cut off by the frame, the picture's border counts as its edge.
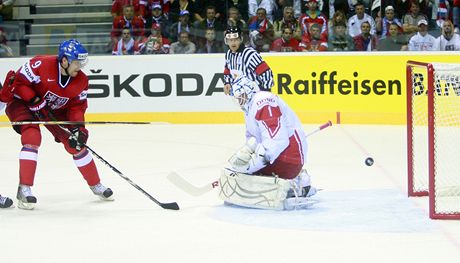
(267, 171)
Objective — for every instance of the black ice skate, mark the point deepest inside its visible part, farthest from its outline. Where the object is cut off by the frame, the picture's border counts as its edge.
(5, 202)
(104, 193)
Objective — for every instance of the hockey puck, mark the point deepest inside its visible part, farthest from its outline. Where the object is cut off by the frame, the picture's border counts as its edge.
(369, 161)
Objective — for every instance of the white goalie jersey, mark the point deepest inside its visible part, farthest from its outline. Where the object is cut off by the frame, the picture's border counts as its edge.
(276, 127)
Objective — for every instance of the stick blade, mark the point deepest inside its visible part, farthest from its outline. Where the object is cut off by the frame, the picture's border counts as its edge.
(170, 206)
(187, 187)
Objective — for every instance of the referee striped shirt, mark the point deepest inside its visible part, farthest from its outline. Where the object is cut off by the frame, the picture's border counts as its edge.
(247, 61)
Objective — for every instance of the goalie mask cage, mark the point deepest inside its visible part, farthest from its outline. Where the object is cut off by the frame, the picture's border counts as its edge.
(433, 136)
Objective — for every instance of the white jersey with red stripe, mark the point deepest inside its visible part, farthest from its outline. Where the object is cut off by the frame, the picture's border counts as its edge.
(270, 120)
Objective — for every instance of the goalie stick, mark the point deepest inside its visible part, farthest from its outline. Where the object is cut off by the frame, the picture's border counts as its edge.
(171, 206)
(193, 190)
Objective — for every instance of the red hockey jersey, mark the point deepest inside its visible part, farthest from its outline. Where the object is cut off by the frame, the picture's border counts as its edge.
(41, 76)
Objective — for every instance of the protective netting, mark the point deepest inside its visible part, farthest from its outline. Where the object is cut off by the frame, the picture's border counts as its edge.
(419, 130)
(445, 150)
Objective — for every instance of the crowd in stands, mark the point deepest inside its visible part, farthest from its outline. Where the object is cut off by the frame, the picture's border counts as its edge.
(6, 13)
(197, 26)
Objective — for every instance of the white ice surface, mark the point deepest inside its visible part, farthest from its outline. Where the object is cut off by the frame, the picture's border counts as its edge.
(363, 213)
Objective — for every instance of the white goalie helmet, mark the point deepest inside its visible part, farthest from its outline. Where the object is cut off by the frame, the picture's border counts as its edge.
(242, 91)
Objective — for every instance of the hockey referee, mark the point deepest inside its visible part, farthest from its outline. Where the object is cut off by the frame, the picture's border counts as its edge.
(240, 60)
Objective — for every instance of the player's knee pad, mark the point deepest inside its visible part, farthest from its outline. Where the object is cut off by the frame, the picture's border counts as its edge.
(31, 135)
(266, 192)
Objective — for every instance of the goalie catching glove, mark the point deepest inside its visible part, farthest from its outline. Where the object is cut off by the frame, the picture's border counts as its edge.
(249, 158)
(78, 138)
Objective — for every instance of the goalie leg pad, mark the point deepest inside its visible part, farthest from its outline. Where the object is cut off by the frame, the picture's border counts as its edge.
(264, 192)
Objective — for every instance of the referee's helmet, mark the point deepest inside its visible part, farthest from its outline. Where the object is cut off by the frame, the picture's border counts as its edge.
(233, 32)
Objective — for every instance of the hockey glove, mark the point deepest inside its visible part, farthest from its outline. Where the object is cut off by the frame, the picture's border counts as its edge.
(6, 91)
(78, 138)
(38, 107)
(244, 154)
(257, 160)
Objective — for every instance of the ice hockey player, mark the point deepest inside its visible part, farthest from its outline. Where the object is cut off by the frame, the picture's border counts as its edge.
(50, 88)
(267, 171)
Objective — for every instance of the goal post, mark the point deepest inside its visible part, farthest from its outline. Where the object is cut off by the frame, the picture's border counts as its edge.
(433, 136)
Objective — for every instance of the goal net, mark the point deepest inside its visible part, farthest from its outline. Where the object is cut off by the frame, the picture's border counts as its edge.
(433, 136)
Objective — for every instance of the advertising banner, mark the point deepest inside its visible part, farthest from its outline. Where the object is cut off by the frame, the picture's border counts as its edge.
(354, 87)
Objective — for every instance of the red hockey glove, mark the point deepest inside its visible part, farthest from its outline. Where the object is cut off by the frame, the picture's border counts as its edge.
(6, 91)
(78, 138)
(38, 106)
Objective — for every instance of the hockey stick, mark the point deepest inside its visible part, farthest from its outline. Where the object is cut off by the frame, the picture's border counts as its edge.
(171, 206)
(76, 122)
(193, 190)
(189, 188)
(322, 127)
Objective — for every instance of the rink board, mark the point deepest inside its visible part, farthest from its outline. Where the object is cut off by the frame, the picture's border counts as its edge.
(342, 87)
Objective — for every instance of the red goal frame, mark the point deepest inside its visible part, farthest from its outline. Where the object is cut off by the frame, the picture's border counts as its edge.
(431, 140)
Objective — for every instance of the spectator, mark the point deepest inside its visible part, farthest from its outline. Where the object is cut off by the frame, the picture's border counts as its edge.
(339, 40)
(354, 22)
(456, 15)
(209, 22)
(183, 25)
(313, 41)
(160, 19)
(422, 41)
(365, 41)
(153, 44)
(260, 31)
(286, 43)
(235, 19)
(179, 6)
(125, 45)
(243, 7)
(411, 19)
(118, 5)
(313, 16)
(401, 6)
(210, 44)
(221, 7)
(5, 50)
(288, 20)
(448, 40)
(339, 5)
(442, 12)
(127, 20)
(165, 6)
(268, 5)
(395, 41)
(382, 25)
(183, 45)
(338, 18)
(6, 10)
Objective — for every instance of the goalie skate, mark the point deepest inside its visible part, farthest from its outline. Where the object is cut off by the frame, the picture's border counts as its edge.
(5, 202)
(26, 200)
(104, 193)
(294, 203)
